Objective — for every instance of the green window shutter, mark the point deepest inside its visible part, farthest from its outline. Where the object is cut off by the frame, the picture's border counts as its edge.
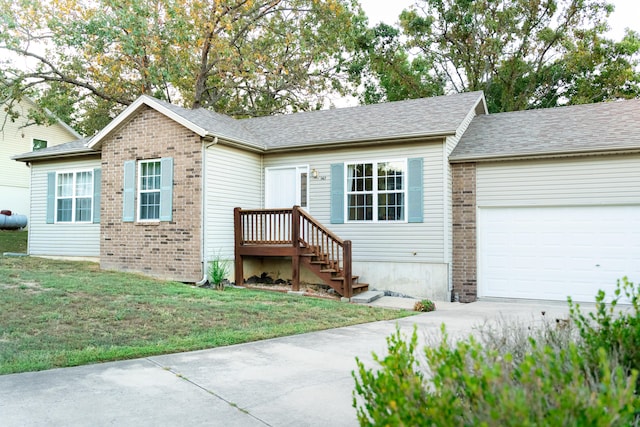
(337, 193)
(129, 191)
(415, 205)
(97, 182)
(166, 189)
(51, 197)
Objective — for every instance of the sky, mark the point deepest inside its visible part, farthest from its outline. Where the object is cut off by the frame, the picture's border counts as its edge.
(626, 14)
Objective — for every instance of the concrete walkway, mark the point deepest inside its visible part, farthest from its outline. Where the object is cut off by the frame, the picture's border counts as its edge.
(301, 380)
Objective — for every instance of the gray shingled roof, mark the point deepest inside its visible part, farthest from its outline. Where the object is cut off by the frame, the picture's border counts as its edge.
(77, 147)
(219, 124)
(437, 116)
(440, 115)
(606, 126)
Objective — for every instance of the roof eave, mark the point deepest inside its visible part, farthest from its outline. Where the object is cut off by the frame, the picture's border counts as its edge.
(31, 158)
(236, 143)
(547, 155)
(362, 141)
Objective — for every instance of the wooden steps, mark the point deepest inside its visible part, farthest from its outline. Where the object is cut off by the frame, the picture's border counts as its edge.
(329, 274)
(296, 234)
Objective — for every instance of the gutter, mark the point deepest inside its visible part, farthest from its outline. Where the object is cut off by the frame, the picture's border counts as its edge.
(243, 145)
(336, 144)
(547, 155)
(27, 159)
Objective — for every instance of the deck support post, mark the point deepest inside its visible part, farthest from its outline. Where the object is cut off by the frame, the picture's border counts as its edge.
(238, 266)
(348, 278)
(295, 241)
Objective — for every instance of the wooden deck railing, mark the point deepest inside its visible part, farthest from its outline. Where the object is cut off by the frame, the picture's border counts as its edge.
(336, 252)
(291, 232)
(265, 226)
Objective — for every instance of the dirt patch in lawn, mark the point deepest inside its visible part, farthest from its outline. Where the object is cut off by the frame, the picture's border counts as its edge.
(29, 287)
(279, 285)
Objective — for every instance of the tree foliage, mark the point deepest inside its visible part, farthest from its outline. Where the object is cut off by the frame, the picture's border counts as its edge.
(387, 72)
(521, 53)
(86, 60)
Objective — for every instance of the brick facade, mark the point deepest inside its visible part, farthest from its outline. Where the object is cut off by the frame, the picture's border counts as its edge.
(465, 281)
(167, 250)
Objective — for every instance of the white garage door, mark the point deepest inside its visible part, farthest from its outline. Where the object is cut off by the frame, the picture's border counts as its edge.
(553, 252)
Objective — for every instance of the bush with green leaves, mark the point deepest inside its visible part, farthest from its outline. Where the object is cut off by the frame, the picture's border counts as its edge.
(424, 305)
(612, 327)
(583, 374)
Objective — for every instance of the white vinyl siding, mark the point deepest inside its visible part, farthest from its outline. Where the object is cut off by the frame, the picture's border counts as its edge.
(62, 239)
(233, 179)
(598, 180)
(393, 242)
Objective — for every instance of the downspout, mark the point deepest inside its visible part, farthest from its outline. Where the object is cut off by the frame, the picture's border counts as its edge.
(448, 215)
(203, 210)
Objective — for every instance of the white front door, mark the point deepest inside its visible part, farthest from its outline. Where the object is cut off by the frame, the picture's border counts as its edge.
(286, 187)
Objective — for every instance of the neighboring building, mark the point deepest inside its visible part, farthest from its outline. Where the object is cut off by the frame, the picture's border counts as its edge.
(438, 198)
(17, 137)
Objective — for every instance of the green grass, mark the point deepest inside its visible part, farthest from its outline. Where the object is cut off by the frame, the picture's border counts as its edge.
(57, 314)
(13, 241)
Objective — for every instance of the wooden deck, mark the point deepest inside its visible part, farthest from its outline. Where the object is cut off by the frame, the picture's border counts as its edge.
(296, 234)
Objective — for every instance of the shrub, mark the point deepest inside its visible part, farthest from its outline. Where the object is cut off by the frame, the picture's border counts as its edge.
(612, 328)
(424, 305)
(471, 383)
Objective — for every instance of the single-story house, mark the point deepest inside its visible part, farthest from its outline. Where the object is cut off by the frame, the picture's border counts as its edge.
(429, 197)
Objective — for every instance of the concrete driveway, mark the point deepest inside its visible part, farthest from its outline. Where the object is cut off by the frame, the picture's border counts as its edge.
(302, 380)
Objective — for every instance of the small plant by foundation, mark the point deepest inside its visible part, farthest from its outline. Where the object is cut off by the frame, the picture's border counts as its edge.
(218, 271)
(424, 305)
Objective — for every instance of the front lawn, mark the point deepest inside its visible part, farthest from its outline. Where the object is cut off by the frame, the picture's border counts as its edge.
(13, 241)
(57, 314)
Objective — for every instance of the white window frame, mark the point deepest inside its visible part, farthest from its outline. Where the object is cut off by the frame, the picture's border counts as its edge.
(74, 173)
(375, 192)
(139, 190)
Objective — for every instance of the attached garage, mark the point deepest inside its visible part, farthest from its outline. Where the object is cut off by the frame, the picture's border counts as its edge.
(557, 228)
(554, 252)
(546, 203)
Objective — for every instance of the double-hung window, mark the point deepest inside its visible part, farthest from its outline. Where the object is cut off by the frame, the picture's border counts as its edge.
(376, 191)
(149, 190)
(74, 196)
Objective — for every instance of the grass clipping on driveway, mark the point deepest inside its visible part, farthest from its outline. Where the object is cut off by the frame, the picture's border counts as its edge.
(57, 314)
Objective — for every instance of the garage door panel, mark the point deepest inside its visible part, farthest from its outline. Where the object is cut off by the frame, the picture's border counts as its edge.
(553, 252)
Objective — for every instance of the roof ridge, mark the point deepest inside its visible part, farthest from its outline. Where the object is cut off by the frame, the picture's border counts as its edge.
(565, 107)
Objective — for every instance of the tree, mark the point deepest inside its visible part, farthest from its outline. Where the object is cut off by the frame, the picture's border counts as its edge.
(386, 70)
(522, 53)
(86, 60)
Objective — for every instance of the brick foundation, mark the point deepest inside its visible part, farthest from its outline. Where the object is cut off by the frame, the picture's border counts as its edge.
(167, 250)
(465, 281)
